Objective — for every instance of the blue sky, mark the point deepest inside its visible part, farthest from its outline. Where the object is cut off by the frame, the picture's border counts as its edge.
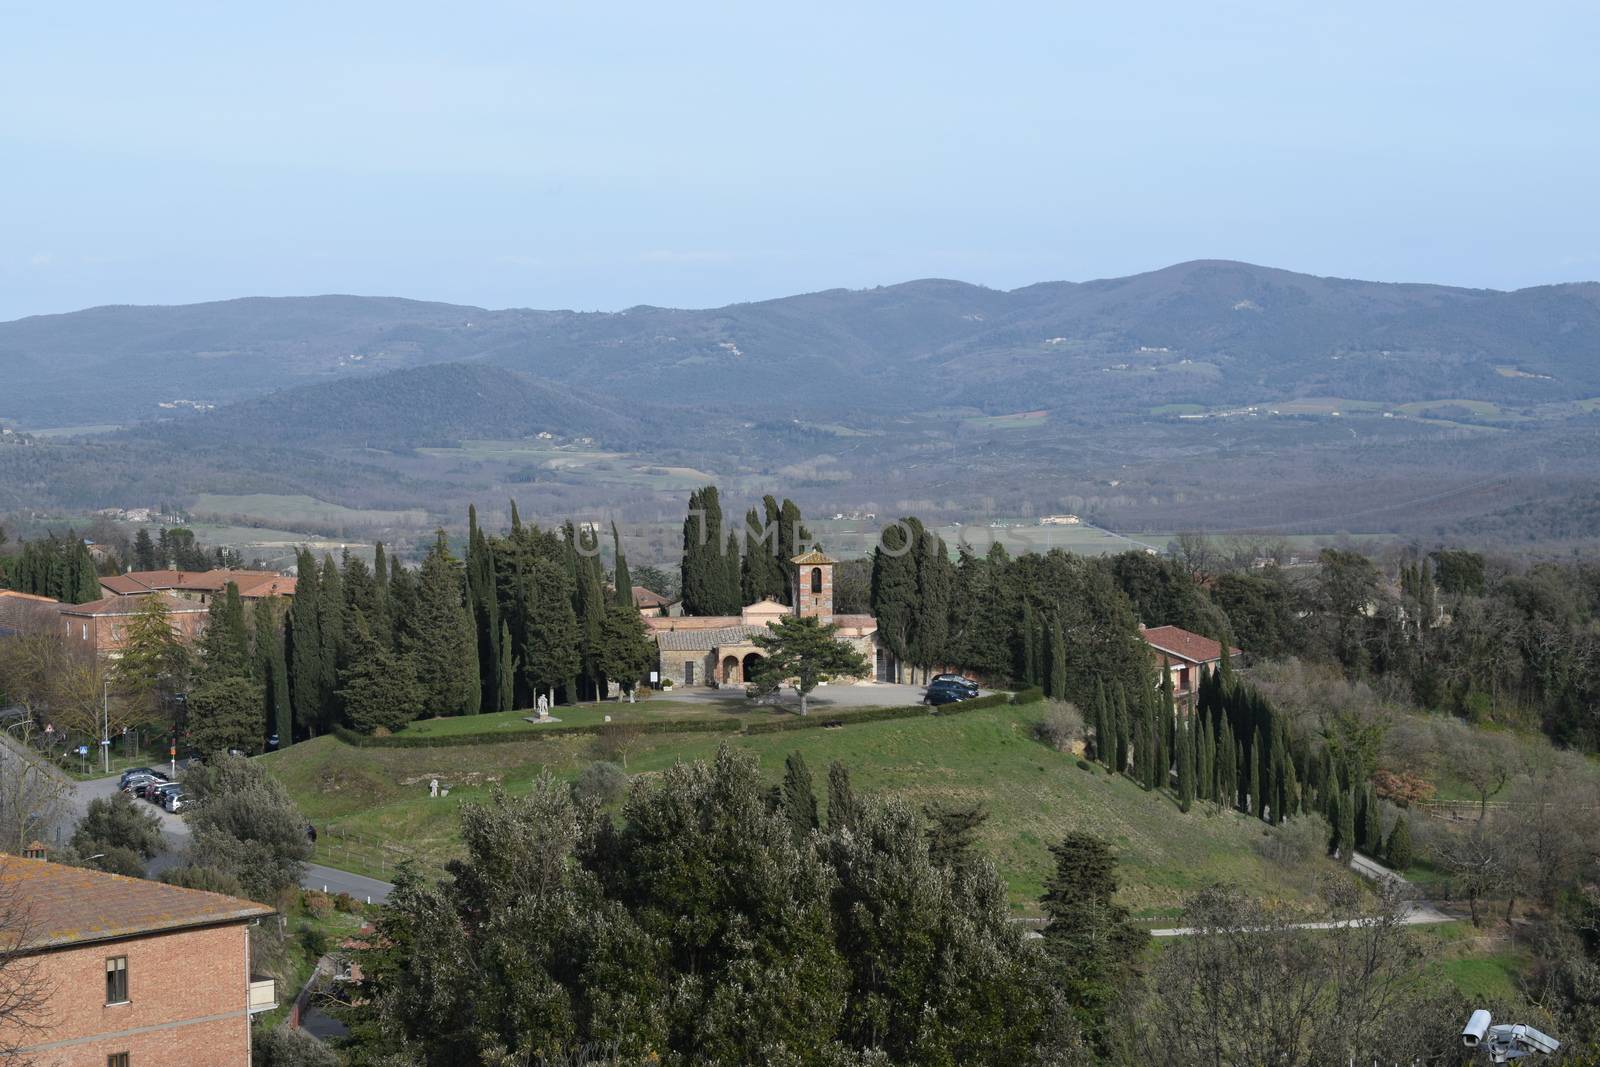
(598, 156)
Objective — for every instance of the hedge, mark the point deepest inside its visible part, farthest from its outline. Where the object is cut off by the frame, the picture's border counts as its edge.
(689, 726)
(500, 737)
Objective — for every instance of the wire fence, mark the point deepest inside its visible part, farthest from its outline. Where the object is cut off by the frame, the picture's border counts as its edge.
(363, 853)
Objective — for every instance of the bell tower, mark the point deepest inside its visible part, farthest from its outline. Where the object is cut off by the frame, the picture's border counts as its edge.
(813, 584)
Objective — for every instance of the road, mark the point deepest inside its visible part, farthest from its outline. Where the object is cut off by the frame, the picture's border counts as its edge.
(175, 832)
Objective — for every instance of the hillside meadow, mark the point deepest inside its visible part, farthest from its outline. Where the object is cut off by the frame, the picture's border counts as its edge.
(1034, 795)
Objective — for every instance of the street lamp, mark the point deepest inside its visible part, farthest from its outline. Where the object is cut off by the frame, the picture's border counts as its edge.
(105, 726)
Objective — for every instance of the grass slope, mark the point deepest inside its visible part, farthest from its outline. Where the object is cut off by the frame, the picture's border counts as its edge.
(1034, 796)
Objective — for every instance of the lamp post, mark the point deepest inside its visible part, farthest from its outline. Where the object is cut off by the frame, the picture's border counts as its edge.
(105, 726)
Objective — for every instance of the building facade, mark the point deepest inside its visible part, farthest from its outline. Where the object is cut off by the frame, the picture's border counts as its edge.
(101, 626)
(1182, 654)
(703, 650)
(199, 586)
(132, 972)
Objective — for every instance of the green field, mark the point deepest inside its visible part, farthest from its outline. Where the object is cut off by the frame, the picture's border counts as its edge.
(515, 722)
(301, 511)
(1034, 795)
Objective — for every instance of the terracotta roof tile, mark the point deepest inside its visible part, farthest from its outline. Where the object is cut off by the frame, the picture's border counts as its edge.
(68, 905)
(130, 605)
(815, 557)
(649, 598)
(1179, 642)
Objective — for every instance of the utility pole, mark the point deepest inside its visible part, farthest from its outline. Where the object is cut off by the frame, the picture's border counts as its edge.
(105, 726)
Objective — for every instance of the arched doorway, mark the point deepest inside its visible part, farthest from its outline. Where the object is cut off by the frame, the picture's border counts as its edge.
(730, 669)
(752, 663)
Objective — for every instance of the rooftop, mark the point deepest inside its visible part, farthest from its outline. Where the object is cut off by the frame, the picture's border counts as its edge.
(250, 583)
(706, 640)
(129, 605)
(73, 905)
(1179, 642)
(814, 558)
(649, 598)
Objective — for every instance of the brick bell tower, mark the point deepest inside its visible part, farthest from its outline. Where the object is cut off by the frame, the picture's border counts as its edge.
(813, 584)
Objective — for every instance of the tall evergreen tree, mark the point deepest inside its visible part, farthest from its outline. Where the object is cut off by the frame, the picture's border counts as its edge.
(935, 586)
(798, 797)
(144, 551)
(1058, 660)
(894, 587)
(1186, 767)
(1091, 937)
(843, 809)
(272, 670)
(225, 645)
(953, 833)
(330, 621)
(1257, 804)
(381, 619)
(622, 581)
(438, 636)
(1104, 745)
(305, 646)
(377, 688)
(763, 574)
(552, 654)
(1124, 729)
(793, 537)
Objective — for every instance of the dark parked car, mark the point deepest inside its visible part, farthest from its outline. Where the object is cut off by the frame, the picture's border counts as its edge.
(149, 786)
(946, 693)
(134, 772)
(133, 782)
(956, 679)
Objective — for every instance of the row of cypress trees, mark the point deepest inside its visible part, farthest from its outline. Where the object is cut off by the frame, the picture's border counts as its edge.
(58, 567)
(726, 566)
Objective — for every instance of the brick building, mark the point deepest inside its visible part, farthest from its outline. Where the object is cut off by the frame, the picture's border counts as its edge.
(721, 649)
(101, 625)
(133, 972)
(1182, 654)
(26, 613)
(199, 585)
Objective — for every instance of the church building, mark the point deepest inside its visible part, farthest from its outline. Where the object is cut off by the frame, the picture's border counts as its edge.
(700, 650)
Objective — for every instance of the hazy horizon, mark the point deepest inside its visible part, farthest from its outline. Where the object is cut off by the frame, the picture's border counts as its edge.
(697, 157)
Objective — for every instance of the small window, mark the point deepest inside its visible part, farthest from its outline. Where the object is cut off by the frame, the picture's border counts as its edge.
(86, 631)
(117, 980)
(816, 579)
(117, 1059)
(688, 672)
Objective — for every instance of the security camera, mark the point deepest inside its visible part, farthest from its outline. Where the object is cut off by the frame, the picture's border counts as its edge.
(1476, 1029)
(1505, 1042)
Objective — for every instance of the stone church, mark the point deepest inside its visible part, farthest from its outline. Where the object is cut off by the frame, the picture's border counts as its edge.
(699, 650)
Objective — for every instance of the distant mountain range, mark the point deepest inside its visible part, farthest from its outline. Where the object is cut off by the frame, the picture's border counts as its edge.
(1207, 332)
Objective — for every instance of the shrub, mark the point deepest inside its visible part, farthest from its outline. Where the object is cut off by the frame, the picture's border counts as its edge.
(1297, 841)
(1085, 765)
(318, 904)
(117, 822)
(1061, 727)
(210, 879)
(346, 903)
(287, 1046)
(601, 783)
(1031, 695)
(315, 941)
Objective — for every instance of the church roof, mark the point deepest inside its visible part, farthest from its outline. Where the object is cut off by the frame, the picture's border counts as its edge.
(815, 557)
(706, 640)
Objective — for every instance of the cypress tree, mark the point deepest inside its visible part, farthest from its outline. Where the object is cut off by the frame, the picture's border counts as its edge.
(508, 671)
(1257, 804)
(842, 807)
(1398, 850)
(765, 573)
(936, 579)
(1058, 661)
(731, 561)
(1030, 646)
(622, 579)
(798, 797)
(1275, 782)
(1335, 822)
(1347, 826)
(1371, 825)
(792, 537)
(438, 636)
(1124, 729)
(330, 622)
(894, 589)
(953, 833)
(144, 551)
(1103, 745)
(1186, 768)
(305, 645)
(381, 620)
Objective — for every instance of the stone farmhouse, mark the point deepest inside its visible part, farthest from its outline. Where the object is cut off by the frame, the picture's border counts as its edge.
(705, 650)
(131, 971)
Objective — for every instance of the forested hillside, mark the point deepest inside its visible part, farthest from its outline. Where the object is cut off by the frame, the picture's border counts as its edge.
(1207, 332)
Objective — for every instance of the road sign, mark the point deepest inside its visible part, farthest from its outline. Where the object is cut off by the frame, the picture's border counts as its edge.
(83, 750)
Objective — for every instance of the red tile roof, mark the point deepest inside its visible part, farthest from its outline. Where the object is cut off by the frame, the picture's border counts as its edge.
(12, 594)
(1179, 642)
(649, 598)
(129, 605)
(70, 905)
(250, 583)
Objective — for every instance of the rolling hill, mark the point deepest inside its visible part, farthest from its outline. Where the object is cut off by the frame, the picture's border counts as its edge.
(1207, 332)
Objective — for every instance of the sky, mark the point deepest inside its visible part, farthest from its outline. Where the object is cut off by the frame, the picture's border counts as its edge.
(603, 155)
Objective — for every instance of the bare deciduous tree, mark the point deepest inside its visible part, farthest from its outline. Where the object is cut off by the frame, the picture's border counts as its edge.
(33, 798)
(24, 990)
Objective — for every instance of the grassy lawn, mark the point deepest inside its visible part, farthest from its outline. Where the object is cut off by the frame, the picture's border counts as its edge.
(1034, 796)
(1482, 967)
